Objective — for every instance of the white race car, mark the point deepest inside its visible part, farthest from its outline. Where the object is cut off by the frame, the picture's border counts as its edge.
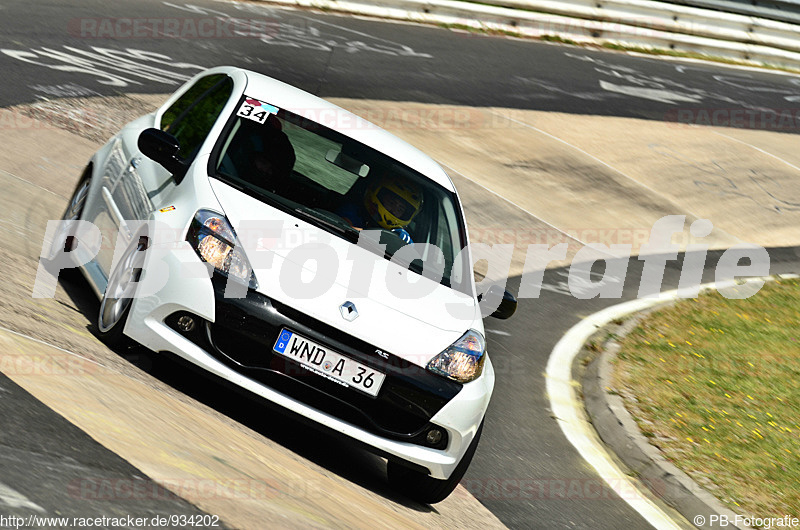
(300, 253)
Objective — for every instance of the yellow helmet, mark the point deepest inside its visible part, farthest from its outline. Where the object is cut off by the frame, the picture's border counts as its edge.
(393, 203)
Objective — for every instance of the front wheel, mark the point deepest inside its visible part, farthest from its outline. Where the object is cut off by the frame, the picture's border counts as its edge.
(64, 239)
(119, 294)
(425, 489)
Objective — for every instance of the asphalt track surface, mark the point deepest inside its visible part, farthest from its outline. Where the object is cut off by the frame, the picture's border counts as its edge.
(41, 449)
(45, 53)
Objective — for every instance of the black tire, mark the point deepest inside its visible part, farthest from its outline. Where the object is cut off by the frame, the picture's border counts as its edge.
(118, 297)
(425, 489)
(73, 212)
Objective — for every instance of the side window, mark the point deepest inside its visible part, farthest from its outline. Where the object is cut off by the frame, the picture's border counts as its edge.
(191, 117)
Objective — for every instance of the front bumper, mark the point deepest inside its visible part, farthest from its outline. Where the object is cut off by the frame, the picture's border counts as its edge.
(233, 339)
(245, 330)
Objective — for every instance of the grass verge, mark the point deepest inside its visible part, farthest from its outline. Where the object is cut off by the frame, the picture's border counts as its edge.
(696, 55)
(715, 384)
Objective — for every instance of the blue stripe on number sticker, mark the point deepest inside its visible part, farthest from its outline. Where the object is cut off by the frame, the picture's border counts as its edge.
(283, 341)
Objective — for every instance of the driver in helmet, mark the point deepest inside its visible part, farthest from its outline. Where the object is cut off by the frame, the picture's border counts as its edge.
(389, 203)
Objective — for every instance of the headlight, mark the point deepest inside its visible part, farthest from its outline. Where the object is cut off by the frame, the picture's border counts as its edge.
(212, 236)
(463, 360)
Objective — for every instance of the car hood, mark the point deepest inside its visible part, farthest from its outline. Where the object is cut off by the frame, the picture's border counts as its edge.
(316, 272)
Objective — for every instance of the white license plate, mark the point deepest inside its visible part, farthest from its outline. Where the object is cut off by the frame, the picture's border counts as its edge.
(328, 363)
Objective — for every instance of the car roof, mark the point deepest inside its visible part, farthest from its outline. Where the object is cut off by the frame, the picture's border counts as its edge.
(300, 102)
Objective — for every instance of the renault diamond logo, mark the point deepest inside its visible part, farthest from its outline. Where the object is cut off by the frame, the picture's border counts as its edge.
(349, 311)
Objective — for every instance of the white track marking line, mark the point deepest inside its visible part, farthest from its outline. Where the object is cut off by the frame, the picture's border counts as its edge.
(705, 62)
(14, 499)
(15, 177)
(512, 203)
(569, 412)
(776, 157)
(39, 341)
(607, 165)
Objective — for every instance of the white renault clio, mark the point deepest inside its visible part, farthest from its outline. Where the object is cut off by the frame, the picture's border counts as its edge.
(300, 253)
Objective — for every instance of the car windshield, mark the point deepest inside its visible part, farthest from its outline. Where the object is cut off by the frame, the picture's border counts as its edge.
(342, 186)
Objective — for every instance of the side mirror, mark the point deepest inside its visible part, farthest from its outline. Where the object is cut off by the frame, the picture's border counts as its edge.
(508, 303)
(163, 148)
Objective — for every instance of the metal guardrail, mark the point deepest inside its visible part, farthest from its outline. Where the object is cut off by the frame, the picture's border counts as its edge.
(630, 23)
(659, 16)
(780, 10)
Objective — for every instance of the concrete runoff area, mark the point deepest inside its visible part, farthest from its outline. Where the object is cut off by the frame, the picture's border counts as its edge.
(617, 173)
(524, 176)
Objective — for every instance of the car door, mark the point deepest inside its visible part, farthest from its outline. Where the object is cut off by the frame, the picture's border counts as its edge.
(132, 184)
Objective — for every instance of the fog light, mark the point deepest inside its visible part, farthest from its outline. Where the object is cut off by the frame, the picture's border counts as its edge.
(434, 436)
(186, 324)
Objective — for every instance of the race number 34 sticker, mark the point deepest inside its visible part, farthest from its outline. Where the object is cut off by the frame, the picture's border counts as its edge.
(256, 110)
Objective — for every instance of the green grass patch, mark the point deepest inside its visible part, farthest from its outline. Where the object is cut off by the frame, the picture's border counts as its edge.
(559, 39)
(715, 384)
(479, 31)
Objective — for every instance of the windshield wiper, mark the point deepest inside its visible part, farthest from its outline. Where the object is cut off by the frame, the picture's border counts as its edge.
(351, 234)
